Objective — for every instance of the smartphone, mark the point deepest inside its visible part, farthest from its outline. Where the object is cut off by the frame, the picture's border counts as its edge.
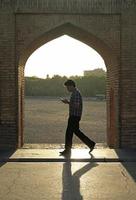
(61, 99)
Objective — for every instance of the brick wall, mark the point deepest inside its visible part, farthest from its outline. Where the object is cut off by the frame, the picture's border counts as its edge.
(128, 78)
(107, 26)
(8, 95)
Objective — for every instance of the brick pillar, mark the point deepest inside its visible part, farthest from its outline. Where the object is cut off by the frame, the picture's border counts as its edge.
(8, 101)
(128, 78)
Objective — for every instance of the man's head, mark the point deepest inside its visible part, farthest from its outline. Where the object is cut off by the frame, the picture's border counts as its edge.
(70, 85)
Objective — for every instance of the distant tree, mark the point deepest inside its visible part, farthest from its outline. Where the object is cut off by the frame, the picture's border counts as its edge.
(47, 76)
(88, 85)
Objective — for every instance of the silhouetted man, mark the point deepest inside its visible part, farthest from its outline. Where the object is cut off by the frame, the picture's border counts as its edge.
(75, 112)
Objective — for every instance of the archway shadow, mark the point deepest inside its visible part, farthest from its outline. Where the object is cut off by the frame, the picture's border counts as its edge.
(2, 163)
(5, 155)
(130, 166)
(71, 182)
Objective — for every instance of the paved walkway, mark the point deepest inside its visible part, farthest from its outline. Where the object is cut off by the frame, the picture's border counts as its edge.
(100, 177)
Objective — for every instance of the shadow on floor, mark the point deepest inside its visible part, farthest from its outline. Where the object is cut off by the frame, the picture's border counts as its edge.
(129, 166)
(5, 155)
(71, 182)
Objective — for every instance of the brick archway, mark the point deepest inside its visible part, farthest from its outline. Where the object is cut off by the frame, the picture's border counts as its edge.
(111, 63)
(107, 26)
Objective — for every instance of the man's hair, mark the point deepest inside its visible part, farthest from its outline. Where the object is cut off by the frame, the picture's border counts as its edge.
(70, 82)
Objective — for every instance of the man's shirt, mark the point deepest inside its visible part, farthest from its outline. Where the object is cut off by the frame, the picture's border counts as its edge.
(75, 105)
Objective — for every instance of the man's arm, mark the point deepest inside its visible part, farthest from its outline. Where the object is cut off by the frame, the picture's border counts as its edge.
(77, 100)
(66, 101)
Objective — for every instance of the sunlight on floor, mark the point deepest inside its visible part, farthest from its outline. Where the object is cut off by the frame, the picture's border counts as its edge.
(80, 153)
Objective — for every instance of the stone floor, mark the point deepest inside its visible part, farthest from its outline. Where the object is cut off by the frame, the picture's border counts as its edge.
(41, 174)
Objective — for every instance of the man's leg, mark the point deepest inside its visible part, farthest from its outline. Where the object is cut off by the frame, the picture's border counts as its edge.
(69, 135)
(68, 138)
(81, 135)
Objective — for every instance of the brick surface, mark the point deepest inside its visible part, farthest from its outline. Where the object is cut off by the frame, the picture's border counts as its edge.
(108, 26)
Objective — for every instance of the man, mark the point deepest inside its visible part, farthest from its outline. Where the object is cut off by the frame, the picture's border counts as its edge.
(75, 112)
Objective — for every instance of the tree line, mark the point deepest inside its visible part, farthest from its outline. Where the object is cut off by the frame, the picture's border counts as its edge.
(92, 85)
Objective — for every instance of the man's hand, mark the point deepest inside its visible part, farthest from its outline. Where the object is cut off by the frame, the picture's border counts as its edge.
(66, 101)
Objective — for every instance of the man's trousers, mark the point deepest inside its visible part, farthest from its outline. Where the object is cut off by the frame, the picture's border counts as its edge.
(73, 127)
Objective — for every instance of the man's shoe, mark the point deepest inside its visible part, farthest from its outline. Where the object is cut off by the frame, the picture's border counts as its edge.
(65, 153)
(92, 147)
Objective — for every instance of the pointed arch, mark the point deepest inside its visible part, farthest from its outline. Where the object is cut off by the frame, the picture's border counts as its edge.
(111, 62)
(75, 32)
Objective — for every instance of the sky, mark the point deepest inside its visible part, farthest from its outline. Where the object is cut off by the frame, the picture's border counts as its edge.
(64, 56)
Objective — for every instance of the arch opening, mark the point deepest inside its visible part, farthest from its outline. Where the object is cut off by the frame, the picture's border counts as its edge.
(47, 69)
(112, 80)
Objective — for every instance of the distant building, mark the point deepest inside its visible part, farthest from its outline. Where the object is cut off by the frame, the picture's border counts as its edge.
(98, 72)
(87, 72)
